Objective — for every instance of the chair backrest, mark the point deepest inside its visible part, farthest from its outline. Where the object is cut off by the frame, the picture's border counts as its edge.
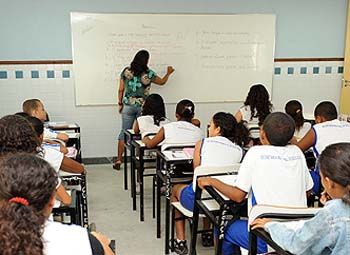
(211, 170)
(280, 212)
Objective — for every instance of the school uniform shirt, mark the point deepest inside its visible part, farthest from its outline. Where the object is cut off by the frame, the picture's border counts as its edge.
(147, 126)
(53, 156)
(181, 132)
(64, 239)
(330, 132)
(275, 175)
(49, 134)
(299, 134)
(219, 151)
(251, 122)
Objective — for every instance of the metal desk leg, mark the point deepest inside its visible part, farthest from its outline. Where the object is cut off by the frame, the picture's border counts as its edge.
(221, 223)
(159, 183)
(125, 163)
(253, 242)
(195, 220)
(133, 179)
(141, 170)
(83, 185)
(167, 211)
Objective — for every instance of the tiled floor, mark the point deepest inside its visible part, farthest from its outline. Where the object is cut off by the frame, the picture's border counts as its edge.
(110, 207)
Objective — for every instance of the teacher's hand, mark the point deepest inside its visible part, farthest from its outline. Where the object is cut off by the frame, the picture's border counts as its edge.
(170, 70)
(120, 108)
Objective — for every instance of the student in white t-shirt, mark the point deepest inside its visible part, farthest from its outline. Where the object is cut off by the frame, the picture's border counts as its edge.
(274, 173)
(223, 147)
(294, 109)
(152, 117)
(255, 109)
(179, 132)
(27, 195)
(327, 130)
(35, 108)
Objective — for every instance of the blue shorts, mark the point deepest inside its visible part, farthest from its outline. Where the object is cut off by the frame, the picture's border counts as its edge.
(187, 197)
(315, 175)
(236, 234)
(129, 115)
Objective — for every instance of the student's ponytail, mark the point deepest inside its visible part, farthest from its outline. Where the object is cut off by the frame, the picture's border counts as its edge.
(335, 164)
(20, 229)
(185, 110)
(294, 109)
(27, 184)
(229, 128)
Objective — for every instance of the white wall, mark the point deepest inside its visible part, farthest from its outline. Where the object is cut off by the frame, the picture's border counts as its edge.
(100, 125)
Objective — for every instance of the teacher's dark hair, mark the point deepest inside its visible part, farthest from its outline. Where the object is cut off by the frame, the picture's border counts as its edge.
(139, 63)
(154, 105)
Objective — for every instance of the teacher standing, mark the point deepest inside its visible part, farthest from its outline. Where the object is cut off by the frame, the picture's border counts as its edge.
(134, 86)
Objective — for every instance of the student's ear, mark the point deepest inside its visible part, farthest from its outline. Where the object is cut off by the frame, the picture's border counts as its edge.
(41, 137)
(263, 137)
(50, 205)
(319, 119)
(177, 116)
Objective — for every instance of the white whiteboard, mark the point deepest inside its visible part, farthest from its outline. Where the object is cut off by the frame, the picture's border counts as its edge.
(216, 57)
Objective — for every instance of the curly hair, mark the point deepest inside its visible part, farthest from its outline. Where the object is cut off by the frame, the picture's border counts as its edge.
(17, 135)
(259, 102)
(21, 226)
(154, 105)
(229, 128)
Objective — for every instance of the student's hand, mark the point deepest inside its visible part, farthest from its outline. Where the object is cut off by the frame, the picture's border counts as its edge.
(259, 223)
(204, 181)
(120, 108)
(324, 197)
(170, 70)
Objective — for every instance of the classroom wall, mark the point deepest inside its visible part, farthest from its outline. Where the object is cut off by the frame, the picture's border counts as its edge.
(40, 30)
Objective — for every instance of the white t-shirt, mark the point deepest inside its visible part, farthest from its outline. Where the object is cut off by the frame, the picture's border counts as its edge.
(147, 126)
(276, 175)
(251, 122)
(49, 134)
(53, 156)
(179, 132)
(219, 151)
(64, 239)
(330, 132)
(299, 134)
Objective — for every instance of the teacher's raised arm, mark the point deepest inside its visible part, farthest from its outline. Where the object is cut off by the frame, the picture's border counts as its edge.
(134, 86)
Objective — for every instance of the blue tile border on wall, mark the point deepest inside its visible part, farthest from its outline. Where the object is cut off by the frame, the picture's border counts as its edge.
(303, 70)
(65, 74)
(3, 75)
(50, 74)
(328, 69)
(290, 70)
(277, 70)
(340, 69)
(316, 70)
(19, 74)
(35, 74)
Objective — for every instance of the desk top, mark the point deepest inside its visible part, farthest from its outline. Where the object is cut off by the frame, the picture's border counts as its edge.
(61, 125)
(176, 155)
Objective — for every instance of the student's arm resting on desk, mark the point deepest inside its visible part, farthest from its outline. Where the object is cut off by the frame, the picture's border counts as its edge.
(157, 139)
(120, 95)
(232, 192)
(197, 154)
(161, 81)
(72, 166)
(63, 196)
(62, 136)
(307, 141)
(104, 241)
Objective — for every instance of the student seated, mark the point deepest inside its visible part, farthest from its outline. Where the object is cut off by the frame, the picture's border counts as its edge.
(180, 131)
(328, 231)
(327, 130)
(255, 109)
(17, 135)
(152, 116)
(27, 195)
(55, 158)
(294, 109)
(223, 147)
(274, 173)
(35, 108)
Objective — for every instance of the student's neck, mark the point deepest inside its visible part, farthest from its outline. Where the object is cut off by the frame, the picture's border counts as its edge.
(184, 120)
(338, 193)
